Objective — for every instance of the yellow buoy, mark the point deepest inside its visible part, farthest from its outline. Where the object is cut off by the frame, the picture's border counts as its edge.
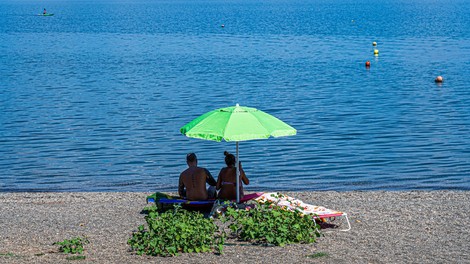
(376, 52)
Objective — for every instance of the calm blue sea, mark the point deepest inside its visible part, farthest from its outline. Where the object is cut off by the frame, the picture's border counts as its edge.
(92, 98)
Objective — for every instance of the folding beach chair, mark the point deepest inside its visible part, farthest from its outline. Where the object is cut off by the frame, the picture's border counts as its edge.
(317, 212)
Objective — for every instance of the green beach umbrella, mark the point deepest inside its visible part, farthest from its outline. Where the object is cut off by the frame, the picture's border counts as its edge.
(236, 123)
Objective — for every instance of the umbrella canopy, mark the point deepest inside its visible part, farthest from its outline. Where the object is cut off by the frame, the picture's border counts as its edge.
(236, 123)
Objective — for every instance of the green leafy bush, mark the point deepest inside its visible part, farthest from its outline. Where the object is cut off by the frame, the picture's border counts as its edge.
(270, 224)
(318, 255)
(174, 231)
(171, 232)
(10, 255)
(72, 246)
(75, 257)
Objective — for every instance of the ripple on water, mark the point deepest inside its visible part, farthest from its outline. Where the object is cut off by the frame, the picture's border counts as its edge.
(95, 103)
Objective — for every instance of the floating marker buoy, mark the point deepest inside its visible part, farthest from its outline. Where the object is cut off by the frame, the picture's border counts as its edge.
(439, 79)
(374, 43)
(222, 25)
(367, 64)
(376, 52)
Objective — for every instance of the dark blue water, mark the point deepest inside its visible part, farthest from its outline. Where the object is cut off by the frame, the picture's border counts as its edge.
(92, 98)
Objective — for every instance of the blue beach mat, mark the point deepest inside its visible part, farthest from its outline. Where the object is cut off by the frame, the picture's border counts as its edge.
(165, 199)
(159, 197)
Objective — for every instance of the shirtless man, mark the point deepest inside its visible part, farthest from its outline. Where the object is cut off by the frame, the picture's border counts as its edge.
(192, 182)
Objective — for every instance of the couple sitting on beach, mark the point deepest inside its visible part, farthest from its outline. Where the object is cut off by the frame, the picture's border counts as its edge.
(192, 181)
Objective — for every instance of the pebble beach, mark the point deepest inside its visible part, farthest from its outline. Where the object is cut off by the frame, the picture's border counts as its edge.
(387, 227)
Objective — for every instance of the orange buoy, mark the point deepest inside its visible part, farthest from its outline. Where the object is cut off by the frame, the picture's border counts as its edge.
(367, 64)
(439, 79)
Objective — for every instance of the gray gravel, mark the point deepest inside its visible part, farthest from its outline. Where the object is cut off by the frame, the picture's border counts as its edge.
(387, 227)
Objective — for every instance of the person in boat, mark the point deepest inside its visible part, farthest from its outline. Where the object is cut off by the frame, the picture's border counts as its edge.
(192, 181)
(44, 12)
(227, 179)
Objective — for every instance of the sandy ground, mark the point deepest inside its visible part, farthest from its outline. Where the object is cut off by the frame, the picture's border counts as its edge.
(387, 227)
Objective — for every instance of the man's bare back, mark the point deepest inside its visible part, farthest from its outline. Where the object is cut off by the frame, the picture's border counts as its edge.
(192, 181)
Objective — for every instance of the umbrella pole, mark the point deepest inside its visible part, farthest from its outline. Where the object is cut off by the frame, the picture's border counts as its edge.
(238, 176)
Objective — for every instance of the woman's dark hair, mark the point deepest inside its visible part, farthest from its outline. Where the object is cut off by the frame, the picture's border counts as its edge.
(229, 158)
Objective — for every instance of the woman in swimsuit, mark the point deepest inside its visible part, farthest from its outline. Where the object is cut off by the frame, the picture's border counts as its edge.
(227, 180)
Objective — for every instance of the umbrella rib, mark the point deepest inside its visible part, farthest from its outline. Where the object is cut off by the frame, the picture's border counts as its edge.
(225, 127)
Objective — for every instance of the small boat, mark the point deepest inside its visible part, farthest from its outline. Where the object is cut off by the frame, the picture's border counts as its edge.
(47, 14)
